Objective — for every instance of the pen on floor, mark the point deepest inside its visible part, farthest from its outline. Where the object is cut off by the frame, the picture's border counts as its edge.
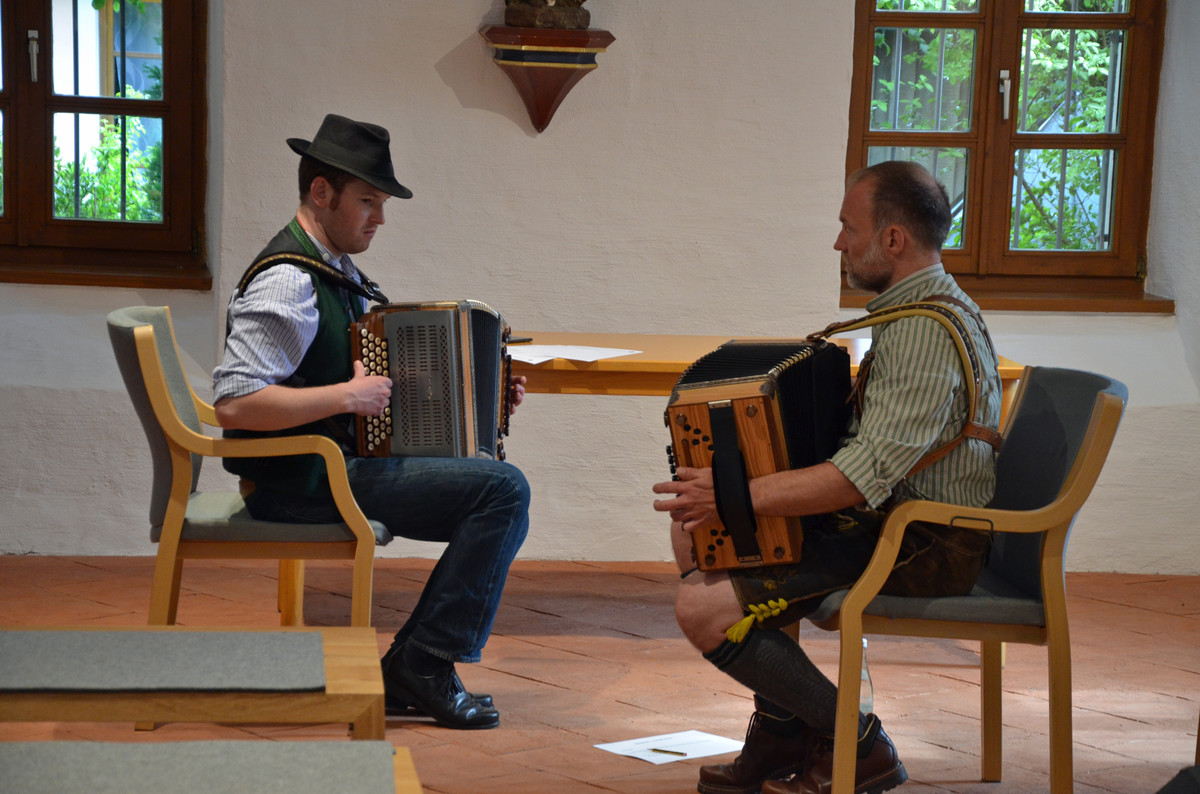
(666, 752)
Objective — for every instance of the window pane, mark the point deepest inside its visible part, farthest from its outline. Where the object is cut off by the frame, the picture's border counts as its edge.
(1078, 6)
(927, 5)
(108, 167)
(1071, 81)
(106, 51)
(1063, 200)
(949, 166)
(923, 79)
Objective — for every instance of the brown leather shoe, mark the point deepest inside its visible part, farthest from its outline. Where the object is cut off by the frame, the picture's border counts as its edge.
(878, 768)
(776, 746)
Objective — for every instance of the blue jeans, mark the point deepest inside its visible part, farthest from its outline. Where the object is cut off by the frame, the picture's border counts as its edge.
(477, 506)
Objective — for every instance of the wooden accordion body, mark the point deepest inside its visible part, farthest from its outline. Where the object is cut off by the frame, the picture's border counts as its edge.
(450, 368)
(767, 407)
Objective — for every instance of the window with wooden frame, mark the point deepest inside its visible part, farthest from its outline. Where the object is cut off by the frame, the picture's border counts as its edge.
(102, 140)
(1038, 117)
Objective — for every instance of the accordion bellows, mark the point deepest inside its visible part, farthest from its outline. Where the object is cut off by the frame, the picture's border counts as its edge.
(449, 365)
(752, 408)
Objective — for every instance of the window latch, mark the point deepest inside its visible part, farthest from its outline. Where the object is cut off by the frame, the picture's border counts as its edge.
(33, 54)
(1005, 91)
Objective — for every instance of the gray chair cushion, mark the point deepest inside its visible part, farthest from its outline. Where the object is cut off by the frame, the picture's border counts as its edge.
(121, 326)
(992, 600)
(223, 516)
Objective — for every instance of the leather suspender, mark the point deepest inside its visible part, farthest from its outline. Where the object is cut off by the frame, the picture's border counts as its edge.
(953, 323)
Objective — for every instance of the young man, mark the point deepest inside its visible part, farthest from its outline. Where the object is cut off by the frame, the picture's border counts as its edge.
(894, 217)
(287, 369)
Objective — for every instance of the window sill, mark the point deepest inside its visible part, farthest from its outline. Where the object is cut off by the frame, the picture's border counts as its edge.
(135, 269)
(1019, 301)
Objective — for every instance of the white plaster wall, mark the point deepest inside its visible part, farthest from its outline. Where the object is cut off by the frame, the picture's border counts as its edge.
(690, 184)
(1174, 241)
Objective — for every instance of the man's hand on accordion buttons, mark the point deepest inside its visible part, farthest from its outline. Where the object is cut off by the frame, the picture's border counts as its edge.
(369, 394)
(695, 504)
(516, 392)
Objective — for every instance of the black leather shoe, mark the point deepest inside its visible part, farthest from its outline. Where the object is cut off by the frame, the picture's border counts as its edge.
(393, 705)
(877, 767)
(440, 695)
(776, 747)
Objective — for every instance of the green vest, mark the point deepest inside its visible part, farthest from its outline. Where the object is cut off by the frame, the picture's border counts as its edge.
(327, 361)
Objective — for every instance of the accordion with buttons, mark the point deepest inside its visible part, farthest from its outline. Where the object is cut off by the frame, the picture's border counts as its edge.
(450, 369)
(752, 408)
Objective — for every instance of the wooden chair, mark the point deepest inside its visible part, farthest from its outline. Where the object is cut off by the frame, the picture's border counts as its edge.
(188, 524)
(1056, 441)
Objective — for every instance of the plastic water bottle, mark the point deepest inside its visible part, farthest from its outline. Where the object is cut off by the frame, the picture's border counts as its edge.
(866, 690)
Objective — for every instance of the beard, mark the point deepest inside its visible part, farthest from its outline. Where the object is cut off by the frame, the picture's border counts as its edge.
(871, 272)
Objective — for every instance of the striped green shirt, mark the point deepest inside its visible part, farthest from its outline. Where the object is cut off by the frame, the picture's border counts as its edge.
(916, 400)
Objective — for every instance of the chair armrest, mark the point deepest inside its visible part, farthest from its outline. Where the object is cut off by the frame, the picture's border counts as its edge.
(335, 469)
(279, 446)
(207, 414)
(980, 519)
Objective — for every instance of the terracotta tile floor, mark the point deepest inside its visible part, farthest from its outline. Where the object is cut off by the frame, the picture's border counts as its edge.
(585, 653)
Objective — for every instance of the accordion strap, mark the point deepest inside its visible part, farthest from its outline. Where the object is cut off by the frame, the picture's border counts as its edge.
(368, 289)
(731, 487)
(969, 356)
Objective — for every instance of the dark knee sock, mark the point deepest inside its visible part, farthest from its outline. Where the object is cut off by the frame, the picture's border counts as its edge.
(773, 666)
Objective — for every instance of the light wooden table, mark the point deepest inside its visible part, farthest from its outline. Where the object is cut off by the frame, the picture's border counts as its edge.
(663, 357)
(353, 692)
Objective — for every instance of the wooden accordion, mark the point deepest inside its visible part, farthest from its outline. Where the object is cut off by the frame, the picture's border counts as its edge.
(450, 369)
(752, 408)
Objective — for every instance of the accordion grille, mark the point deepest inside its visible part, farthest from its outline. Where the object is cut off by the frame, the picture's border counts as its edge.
(426, 368)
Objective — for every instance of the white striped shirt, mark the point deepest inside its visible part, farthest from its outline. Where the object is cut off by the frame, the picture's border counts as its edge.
(270, 327)
(916, 400)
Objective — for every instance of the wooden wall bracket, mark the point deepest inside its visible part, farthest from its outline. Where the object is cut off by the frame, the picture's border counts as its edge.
(545, 63)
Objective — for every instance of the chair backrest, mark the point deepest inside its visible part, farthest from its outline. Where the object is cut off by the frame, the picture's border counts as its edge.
(1043, 441)
(122, 325)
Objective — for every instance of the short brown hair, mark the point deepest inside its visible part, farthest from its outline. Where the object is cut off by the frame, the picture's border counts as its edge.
(905, 194)
(311, 168)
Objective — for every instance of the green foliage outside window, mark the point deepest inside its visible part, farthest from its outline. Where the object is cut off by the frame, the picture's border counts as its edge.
(927, 5)
(924, 78)
(1070, 83)
(105, 186)
(121, 177)
(1060, 197)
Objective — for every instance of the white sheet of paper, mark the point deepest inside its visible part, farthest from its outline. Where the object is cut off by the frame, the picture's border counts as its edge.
(668, 747)
(536, 354)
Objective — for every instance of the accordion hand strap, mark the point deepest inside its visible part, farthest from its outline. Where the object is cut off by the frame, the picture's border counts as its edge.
(731, 486)
(972, 369)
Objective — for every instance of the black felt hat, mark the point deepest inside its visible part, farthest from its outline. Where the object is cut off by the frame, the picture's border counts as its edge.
(358, 148)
